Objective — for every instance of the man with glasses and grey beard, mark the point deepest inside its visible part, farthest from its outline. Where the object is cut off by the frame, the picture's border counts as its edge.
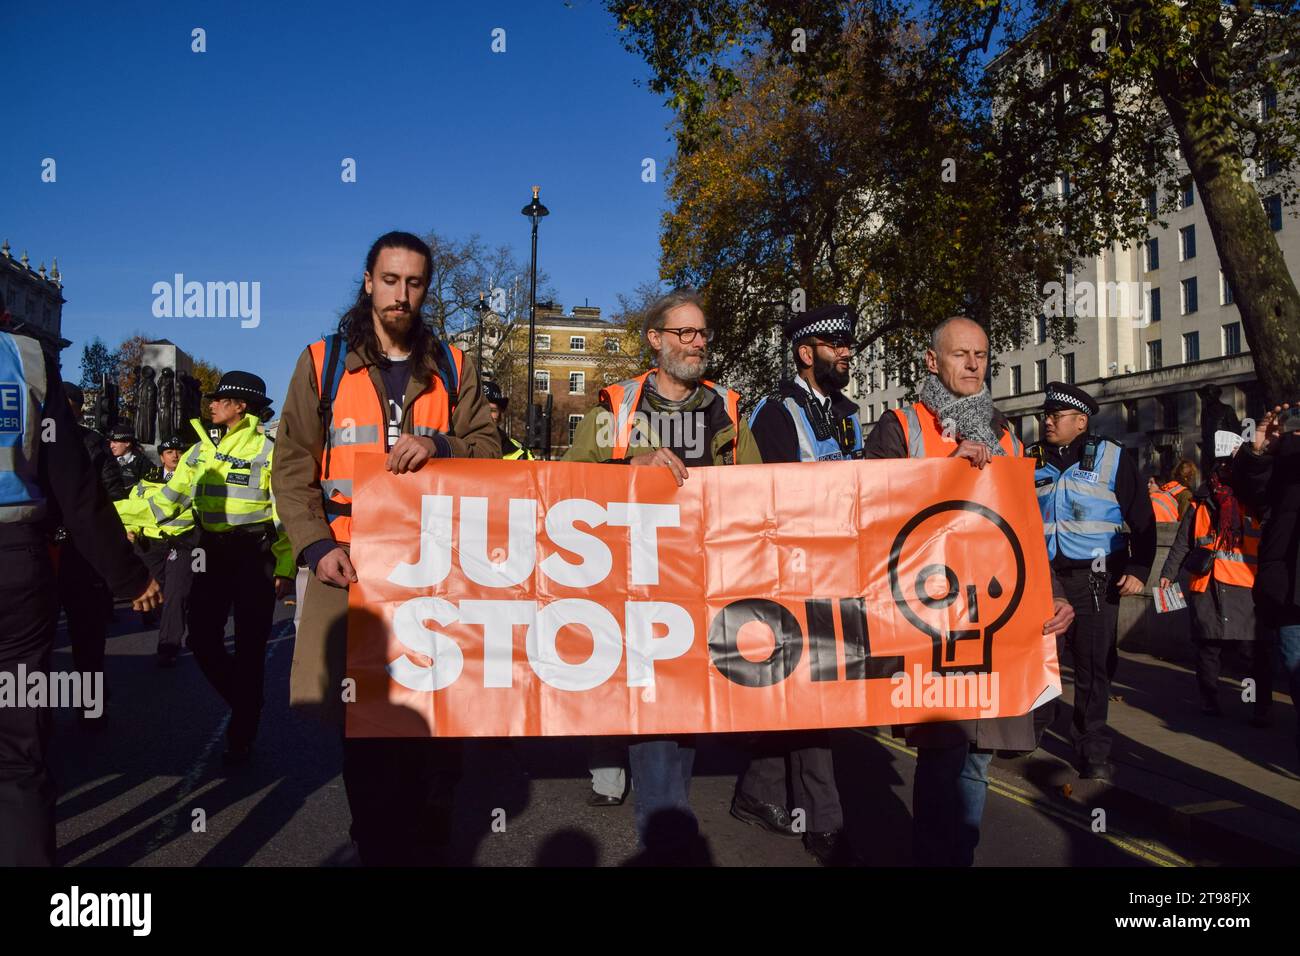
(669, 417)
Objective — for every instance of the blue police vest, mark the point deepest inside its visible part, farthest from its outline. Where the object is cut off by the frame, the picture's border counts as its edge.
(22, 400)
(812, 448)
(1081, 515)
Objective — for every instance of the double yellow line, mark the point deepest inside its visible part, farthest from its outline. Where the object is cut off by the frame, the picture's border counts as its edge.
(1148, 850)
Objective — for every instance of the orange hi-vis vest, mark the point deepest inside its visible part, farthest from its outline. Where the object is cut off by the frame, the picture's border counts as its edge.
(1175, 488)
(925, 438)
(1165, 505)
(359, 423)
(624, 398)
(1234, 566)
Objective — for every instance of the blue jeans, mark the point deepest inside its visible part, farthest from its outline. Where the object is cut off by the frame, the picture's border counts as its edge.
(948, 794)
(661, 782)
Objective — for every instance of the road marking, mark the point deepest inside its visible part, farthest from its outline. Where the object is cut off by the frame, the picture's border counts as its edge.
(1148, 850)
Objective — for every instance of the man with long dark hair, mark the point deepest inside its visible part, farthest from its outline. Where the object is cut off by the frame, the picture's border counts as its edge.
(384, 383)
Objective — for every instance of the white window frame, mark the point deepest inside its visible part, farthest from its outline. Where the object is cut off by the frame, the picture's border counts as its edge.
(612, 345)
(581, 343)
(582, 383)
(574, 422)
(543, 342)
(544, 376)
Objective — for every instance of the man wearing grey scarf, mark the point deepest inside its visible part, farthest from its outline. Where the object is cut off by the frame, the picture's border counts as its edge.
(955, 418)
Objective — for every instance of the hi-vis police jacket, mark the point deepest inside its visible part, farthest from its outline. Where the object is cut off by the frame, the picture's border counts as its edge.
(835, 437)
(1082, 515)
(228, 485)
(138, 516)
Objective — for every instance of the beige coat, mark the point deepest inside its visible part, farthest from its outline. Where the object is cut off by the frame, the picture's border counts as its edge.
(320, 649)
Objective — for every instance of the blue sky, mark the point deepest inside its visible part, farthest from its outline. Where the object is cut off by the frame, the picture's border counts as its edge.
(225, 165)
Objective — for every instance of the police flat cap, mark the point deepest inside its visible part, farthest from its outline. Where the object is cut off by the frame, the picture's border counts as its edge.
(122, 434)
(175, 443)
(828, 322)
(241, 386)
(1063, 397)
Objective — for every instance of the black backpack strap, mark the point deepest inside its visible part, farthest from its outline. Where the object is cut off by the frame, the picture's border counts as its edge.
(331, 375)
(446, 363)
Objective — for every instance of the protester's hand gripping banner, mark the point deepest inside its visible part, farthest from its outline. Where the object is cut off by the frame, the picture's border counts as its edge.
(548, 598)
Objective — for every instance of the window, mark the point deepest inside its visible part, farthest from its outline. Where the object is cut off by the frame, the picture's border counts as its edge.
(1273, 206)
(541, 380)
(543, 343)
(1040, 333)
(1131, 416)
(1153, 254)
(1267, 103)
(1188, 198)
(574, 422)
(1155, 355)
(1191, 346)
(1168, 411)
(871, 413)
(1067, 368)
(1189, 295)
(1015, 380)
(1040, 375)
(1272, 167)
(577, 383)
(1187, 243)
(1225, 290)
(1232, 338)
(1153, 203)
(611, 344)
(1153, 305)
(577, 343)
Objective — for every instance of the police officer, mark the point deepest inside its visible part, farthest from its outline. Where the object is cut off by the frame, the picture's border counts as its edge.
(130, 459)
(85, 597)
(511, 450)
(45, 479)
(1088, 490)
(247, 563)
(165, 547)
(808, 419)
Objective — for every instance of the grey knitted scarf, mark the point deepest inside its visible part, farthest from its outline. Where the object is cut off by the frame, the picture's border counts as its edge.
(971, 414)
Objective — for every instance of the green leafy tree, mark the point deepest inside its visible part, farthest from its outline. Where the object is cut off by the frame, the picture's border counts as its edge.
(96, 361)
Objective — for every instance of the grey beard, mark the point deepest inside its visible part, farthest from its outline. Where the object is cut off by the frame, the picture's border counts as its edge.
(688, 374)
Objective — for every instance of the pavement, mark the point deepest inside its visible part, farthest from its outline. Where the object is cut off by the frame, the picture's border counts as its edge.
(1233, 787)
(148, 788)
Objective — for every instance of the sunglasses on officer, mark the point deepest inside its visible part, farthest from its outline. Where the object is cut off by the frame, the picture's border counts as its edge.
(836, 343)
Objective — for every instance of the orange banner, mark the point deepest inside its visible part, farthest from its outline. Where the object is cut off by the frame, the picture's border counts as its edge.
(547, 598)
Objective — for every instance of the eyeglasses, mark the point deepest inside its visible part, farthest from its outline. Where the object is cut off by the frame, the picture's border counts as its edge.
(1057, 416)
(686, 335)
(839, 345)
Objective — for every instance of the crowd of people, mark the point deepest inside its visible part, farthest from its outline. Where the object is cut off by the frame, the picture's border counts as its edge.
(226, 523)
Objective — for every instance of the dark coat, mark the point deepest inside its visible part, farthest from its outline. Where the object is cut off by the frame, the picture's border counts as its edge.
(1222, 612)
(1270, 484)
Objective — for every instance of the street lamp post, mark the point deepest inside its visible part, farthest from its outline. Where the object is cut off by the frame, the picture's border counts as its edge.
(534, 211)
(482, 310)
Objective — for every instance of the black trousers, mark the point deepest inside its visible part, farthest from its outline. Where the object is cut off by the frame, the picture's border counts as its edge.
(238, 574)
(171, 564)
(29, 609)
(88, 605)
(794, 770)
(400, 791)
(1257, 656)
(1091, 639)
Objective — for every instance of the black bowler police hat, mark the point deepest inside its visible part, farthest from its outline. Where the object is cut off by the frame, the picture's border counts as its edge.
(175, 443)
(831, 322)
(241, 386)
(492, 392)
(1063, 397)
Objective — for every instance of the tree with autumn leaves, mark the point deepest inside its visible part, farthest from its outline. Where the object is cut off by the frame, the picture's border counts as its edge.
(1056, 122)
